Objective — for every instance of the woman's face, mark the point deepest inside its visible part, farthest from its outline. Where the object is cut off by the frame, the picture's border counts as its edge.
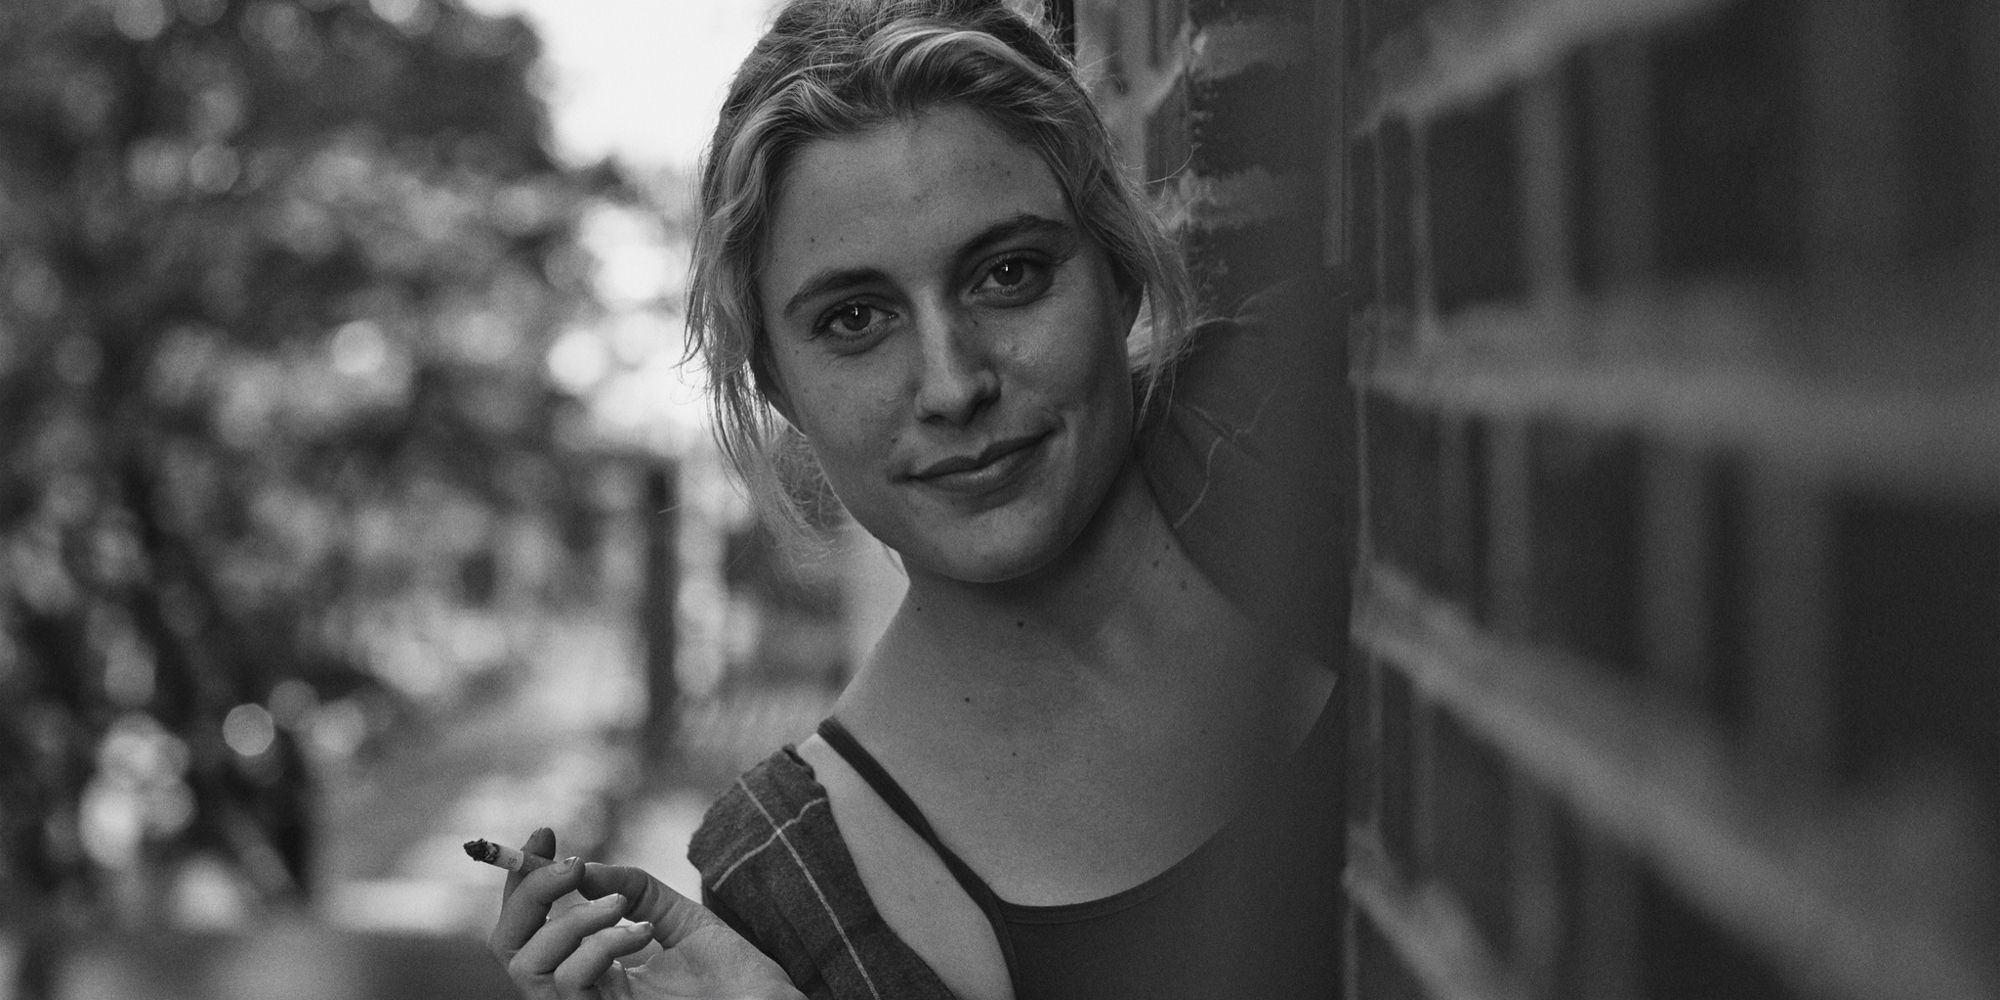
(949, 341)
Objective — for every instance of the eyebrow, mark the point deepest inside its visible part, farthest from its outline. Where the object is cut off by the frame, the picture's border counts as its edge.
(1013, 227)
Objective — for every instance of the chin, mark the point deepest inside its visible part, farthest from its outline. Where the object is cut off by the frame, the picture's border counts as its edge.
(992, 556)
(990, 564)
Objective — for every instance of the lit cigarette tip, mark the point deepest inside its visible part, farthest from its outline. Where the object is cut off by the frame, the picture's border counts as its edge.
(480, 850)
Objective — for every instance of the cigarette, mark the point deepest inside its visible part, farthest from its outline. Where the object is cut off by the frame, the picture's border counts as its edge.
(502, 856)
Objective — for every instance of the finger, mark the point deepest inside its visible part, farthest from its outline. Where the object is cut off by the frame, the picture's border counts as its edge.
(587, 965)
(550, 945)
(541, 842)
(672, 915)
(526, 908)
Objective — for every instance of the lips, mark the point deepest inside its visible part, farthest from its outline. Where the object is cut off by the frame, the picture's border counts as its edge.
(986, 467)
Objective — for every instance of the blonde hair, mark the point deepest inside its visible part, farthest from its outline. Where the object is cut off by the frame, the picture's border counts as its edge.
(830, 68)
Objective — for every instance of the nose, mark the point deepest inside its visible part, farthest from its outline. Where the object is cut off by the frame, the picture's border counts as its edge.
(956, 378)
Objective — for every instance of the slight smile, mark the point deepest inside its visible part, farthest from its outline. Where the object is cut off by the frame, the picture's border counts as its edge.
(982, 470)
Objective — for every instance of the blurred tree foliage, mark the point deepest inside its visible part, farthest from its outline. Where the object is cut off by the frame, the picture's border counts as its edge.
(274, 274)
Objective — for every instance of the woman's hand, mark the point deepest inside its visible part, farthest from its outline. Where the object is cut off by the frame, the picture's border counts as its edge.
(575, 953)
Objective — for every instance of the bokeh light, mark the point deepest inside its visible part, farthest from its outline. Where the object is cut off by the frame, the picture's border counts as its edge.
(248, 729)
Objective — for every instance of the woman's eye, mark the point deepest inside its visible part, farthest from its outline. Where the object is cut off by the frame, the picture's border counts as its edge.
(850, 319)
(1011, 273)
(1014, 278)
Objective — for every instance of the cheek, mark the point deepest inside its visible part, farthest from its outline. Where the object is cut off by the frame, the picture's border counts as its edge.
(1100, 365)
(805, 386)
(829, 421)
(845, 422)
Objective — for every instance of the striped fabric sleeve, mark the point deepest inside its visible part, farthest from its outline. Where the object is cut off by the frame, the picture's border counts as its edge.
(774, 866)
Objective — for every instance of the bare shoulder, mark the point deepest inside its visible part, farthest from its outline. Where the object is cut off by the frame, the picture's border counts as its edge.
(909, 884)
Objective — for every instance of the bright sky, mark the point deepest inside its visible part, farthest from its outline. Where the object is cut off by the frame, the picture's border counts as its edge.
(639, 79)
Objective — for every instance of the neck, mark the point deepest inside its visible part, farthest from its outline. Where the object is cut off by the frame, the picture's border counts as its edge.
(1121, 611)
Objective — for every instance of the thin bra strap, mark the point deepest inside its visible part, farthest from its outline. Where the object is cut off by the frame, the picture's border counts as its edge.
(872, 771)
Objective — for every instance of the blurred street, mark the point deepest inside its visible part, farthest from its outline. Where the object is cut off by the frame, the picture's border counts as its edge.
(554, 752)
(401, 911)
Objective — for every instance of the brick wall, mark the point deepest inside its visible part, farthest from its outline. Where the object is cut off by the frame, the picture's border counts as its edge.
(1221, 107)
(1676, 633)
(1678, 614)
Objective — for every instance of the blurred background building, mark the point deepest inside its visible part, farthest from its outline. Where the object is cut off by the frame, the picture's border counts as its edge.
(351, 502)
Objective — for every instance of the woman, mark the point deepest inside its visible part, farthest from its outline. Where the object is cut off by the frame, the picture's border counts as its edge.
(1073, 766)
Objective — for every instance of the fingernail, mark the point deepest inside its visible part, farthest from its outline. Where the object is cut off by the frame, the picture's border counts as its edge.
(566, 865)
(615, 901)
(643, 928)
